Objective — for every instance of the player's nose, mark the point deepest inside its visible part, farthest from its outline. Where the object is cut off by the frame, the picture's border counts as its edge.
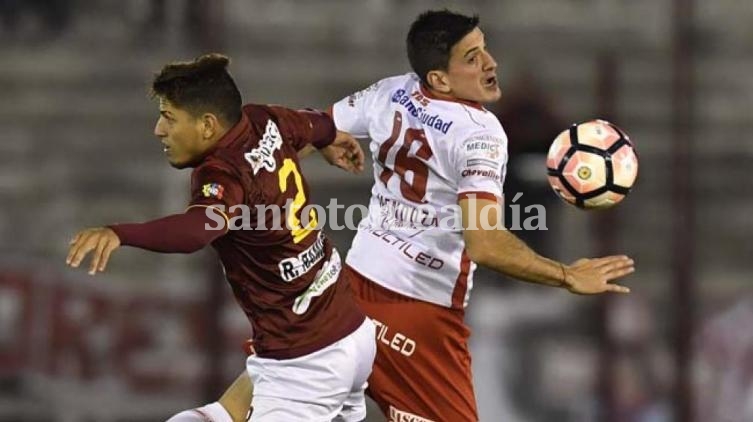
(159, 129)
(490, 63)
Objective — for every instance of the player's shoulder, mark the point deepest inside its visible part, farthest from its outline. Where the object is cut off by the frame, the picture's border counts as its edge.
(394, 81)
(384, 86)
(261, 113)
(271, 122)
(406, 79)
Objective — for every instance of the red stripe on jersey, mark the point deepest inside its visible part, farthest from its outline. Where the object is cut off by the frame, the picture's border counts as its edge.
(477, 195)
(461, 284)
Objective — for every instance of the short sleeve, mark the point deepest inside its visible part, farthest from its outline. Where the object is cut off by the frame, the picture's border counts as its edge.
(480, 164)
(350, 114)
(216, 187)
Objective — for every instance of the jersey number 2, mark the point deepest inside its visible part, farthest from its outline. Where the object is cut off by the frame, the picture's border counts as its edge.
(406, 161)
(294, 223)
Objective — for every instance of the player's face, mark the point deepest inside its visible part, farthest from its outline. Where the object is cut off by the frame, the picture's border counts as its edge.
(180, 134)
(472, 71)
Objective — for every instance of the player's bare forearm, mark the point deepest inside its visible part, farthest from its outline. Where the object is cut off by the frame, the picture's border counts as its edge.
(237, 398)
(490, 245)
(502, 251)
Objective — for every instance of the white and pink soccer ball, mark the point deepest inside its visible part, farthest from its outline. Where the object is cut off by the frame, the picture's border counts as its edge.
(592, 165)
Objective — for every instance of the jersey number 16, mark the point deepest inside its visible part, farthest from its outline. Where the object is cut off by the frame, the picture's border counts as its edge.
(404, 161)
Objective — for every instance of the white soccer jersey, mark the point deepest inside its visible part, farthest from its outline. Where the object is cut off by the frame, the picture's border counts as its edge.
(428, 153)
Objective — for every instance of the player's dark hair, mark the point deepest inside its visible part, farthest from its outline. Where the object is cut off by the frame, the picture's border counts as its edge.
(431, 37)
(200, 86)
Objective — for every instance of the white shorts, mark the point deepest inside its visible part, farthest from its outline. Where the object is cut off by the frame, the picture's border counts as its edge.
(327, 385)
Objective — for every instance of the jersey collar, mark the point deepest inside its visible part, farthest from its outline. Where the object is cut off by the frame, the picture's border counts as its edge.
(234, 133)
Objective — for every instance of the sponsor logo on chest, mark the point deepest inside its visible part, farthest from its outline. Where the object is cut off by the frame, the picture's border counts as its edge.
(262, 157)
(419, 111)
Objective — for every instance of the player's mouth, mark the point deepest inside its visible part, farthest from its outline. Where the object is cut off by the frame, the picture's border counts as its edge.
(490, 82)
(165, 149)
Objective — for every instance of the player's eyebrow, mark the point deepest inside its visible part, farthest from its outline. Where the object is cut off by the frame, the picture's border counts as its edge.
(165, 113)
(469, 52)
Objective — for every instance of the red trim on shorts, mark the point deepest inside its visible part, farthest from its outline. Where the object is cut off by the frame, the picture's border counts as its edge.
(428, 94)
(478, 195)
(461, 284)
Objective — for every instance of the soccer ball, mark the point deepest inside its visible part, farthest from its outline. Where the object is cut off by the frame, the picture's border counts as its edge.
(592, 165)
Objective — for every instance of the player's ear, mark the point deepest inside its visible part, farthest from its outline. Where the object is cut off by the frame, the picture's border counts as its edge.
(439, 81)
(210, 125)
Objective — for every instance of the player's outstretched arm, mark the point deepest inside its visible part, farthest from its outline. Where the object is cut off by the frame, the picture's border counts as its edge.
(494, 247)
(178, 233)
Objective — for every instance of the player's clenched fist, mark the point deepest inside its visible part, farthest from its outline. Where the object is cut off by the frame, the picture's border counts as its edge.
(101, 240)
(593, 276)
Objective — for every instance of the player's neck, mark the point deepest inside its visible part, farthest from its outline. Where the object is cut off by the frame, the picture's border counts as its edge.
(221, 132)
(433, 94)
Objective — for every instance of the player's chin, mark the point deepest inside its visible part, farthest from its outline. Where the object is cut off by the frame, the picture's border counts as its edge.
(176, 163)
(491, 94)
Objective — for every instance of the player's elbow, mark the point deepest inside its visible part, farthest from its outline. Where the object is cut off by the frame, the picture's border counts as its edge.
(194, 243)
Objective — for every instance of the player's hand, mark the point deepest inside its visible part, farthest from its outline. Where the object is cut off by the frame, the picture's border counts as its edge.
(100, 240)
(344, 152)
(593, 276)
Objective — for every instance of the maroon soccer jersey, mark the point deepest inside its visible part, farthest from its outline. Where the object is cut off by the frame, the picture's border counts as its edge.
(286, 278)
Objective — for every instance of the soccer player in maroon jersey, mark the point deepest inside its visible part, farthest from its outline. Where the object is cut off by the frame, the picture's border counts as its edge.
(313, 346)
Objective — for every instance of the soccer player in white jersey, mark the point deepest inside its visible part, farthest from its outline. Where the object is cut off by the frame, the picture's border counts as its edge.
(439, 157)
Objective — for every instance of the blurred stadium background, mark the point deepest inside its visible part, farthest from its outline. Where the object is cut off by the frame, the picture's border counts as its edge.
(159, 333)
